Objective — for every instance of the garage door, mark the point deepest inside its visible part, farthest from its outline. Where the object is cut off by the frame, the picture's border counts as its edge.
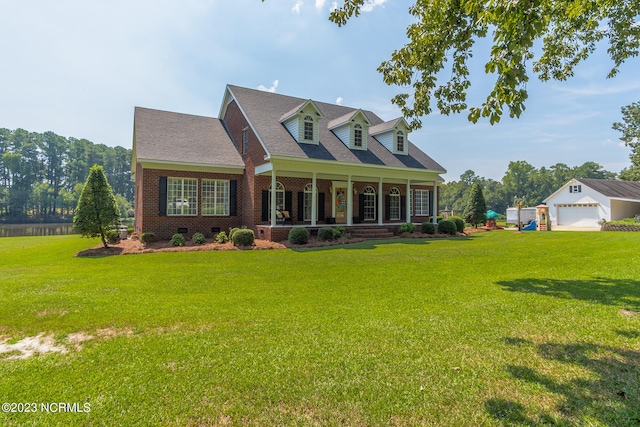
(578, 215)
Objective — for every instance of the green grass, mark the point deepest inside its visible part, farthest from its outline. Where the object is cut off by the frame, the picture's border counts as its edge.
(493, 329)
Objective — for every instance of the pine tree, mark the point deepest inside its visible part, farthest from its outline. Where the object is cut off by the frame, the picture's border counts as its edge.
(475, 213)
(97, 209)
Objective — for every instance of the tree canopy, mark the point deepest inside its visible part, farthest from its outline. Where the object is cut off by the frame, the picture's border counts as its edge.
(97, 209)
(522, 180)
(442, 38)
(630, 128)
(475, 212)
(41, 174)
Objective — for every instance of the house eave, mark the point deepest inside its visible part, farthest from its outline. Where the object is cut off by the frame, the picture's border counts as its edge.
(306, 166)
(190, 166)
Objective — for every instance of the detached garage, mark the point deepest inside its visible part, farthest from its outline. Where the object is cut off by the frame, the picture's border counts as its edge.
(578, 215)
(582, 203)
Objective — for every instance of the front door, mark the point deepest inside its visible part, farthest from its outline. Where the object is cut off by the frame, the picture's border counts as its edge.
(340, 203)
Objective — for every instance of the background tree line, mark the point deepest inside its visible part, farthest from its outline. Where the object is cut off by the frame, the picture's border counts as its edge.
(522, 180)
(42, 174)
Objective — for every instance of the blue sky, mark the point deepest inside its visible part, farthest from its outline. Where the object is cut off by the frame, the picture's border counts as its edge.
(79, 68)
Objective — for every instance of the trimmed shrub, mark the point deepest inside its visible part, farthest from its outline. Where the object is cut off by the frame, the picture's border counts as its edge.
(407, 227)
(177, 240)
(148, 237)
(459, 223)
(129, 231)
(326, 234)
(428, 228)
(232, 232)
(338, 232)
(298, 235)
(447, 226)
(198, 239)
(112, 236)
(243, 237)
(221, 237)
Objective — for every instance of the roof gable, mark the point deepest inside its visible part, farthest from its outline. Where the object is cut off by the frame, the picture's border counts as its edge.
(307, 107)
(612, 188)
(606, 187)
(202, 140)
(265, 111)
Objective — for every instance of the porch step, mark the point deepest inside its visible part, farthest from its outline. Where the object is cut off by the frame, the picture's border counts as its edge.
(371, 233)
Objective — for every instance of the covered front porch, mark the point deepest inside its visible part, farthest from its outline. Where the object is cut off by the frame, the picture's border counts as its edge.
(383, 195)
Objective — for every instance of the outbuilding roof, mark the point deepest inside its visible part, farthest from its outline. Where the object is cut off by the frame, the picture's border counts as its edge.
(611, 188)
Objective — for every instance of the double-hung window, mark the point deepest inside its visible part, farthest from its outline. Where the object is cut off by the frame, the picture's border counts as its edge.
(400, 141)
(357, 136)
(215, 197)
(394, 200)
(422, 202)
(182, 196)
(308, 128)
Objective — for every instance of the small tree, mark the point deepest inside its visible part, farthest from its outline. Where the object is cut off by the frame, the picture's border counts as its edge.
(97, 209)
(475, 213)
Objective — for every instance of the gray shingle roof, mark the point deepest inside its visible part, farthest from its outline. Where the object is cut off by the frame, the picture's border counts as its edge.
(610, 188)
(264, 110)
(175, 137)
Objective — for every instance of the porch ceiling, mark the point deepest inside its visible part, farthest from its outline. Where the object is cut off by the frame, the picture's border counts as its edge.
(341, 171)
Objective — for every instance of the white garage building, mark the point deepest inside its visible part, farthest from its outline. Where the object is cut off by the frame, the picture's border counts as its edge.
(581, 203)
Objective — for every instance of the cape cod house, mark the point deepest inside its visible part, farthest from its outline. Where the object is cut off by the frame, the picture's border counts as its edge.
(271, 161)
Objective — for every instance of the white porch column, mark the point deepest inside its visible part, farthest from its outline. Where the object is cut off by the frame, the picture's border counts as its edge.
(408, 201)
(434, 202)
(273, 197)
(314, 201)
(380, 203)
(349, 201)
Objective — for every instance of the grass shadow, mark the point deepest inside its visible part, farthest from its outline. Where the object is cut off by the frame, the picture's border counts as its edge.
(601, 290)
(607, 394)
(374, 243)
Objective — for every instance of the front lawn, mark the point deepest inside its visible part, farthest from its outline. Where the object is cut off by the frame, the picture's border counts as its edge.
(492, 329)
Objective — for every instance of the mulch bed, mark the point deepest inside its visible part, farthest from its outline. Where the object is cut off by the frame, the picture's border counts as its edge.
(135, 246)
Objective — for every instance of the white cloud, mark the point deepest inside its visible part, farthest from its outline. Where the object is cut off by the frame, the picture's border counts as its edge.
(320, 4)
(271, 89)
(339, 100)
(370, 4)
(296, 8)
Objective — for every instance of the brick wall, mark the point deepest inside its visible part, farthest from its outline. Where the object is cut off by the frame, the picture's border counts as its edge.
(147, 206)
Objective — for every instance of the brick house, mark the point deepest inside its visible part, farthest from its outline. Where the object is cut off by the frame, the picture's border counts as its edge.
(328, 164)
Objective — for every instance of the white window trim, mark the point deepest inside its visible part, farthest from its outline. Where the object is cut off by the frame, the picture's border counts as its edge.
(214, 183)
(395, 194)
(369, 191)
(279, 190)
(181, 196)
(245, 140)
(421, 196)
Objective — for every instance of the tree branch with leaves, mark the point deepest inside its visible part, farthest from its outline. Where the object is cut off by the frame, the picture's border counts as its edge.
(443, 35)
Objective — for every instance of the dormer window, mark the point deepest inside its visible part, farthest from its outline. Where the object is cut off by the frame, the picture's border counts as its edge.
(357, 135)
(400, 141)
(351, 129)
(308, 128)
(393, 135)
(302, 123)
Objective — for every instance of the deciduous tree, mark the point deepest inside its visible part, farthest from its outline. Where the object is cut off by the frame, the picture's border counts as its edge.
(443, 35)
(630, 128)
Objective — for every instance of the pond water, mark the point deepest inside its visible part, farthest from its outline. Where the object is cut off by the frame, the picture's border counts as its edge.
(14, 230)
